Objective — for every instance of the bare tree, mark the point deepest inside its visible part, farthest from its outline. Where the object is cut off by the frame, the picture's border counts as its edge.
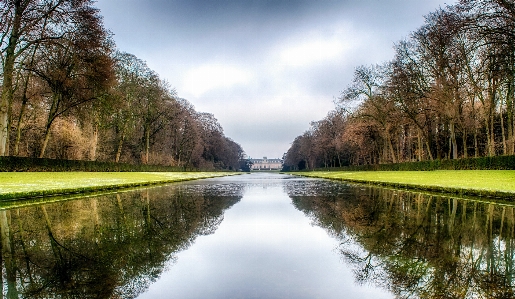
(25, 24)
(76, 67)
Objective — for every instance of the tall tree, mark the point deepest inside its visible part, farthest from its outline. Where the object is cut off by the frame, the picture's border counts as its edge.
(76, 67)
(25, 24)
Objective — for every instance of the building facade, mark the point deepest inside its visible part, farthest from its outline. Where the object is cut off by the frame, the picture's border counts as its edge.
(266, 164)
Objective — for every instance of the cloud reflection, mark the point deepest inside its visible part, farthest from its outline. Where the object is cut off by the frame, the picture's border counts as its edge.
(264, 248)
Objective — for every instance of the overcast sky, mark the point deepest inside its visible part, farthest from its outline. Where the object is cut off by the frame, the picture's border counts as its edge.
(264, 68)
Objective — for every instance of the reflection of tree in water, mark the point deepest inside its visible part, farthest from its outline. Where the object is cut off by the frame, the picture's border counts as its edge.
(105, 247)
(416, 245)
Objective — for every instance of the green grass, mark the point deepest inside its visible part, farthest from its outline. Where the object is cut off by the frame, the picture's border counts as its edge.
(15, 185)
(491, 183)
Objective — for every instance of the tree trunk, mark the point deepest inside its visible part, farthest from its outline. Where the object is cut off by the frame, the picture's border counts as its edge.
(147, 145)
(120, 205)
(490, 264)
(8, 74)
(476, 146)
(420, 148)
(512, 126)
(94, 144)
(492, 133)
(56, 98)
(96, 217)
(488, 136)
(503, 214)
(7, 96)
(7, 253)
(465, 149)
(474, 115)
(509, 118)
(384, 156)
(509, 247)
(123, 222)
(453, 142)
(147, 203)
(119, 149)
(402, 145)
(390, 147)
(429, 150)
(452, 217)
(438, 149)
(449, 151)
(504, 145)
(20, 117)
(45, 142)
(464, 212)
(53, 242)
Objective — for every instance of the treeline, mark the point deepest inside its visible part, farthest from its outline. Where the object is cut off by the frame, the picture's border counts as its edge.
(68, 93)
(448, 93)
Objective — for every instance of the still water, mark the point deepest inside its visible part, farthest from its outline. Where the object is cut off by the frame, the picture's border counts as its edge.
(259, 236)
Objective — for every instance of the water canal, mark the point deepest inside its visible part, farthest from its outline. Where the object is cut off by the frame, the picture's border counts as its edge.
(259, 236)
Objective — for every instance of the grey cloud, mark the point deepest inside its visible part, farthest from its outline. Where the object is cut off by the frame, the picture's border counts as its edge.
(176, 36)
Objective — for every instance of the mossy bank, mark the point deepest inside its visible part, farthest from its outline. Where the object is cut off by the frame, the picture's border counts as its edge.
(485, 183)
(14, 185)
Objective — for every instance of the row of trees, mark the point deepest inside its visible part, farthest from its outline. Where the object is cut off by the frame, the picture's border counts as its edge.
(68, 93)
(448, 93)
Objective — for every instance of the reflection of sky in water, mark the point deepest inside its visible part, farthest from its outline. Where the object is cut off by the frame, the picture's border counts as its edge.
(264, 248)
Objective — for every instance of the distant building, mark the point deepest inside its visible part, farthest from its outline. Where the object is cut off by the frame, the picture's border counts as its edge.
(266, 164)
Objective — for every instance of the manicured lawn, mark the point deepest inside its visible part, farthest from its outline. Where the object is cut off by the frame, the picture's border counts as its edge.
(30, 184)
(474, 182)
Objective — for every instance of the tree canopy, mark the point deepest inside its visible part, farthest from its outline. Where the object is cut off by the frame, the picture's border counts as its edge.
(448, 93)
(69, 93)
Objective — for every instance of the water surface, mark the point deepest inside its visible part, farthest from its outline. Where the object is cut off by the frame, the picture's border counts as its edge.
(264, 248)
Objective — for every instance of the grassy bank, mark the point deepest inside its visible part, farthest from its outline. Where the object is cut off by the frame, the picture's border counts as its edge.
(14, 185)
(490, 183)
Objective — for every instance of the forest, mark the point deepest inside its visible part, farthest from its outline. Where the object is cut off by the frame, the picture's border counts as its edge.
(69, 93)
(448, 93)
